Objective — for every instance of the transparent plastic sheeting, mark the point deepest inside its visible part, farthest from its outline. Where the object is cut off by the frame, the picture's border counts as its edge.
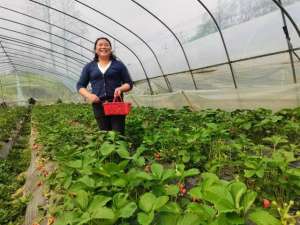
(274, 98)
(18, 89)
(170, 40)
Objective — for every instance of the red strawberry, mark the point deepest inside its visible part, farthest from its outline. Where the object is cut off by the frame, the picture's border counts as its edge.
(183, 191)
(157, 156)
(266, 203)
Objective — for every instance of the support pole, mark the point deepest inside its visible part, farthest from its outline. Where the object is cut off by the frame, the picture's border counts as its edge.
(289, 44)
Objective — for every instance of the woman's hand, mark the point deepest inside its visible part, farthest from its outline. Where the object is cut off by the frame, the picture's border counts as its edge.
(92, 98)
(118, 92)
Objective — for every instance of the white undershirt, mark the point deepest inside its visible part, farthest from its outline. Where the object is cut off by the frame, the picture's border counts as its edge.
(103, 69)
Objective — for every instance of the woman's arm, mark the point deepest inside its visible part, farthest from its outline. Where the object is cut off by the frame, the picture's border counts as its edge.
(127, 82)
(124, 88)
(82, 84)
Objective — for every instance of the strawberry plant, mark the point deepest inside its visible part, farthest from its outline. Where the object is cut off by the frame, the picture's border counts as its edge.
(172, 167)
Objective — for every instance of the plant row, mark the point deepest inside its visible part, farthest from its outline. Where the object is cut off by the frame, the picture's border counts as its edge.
(12, 177)
(173, 167)
(9, 118)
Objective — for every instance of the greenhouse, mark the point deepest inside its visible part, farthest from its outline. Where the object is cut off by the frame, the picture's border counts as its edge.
(161, 112)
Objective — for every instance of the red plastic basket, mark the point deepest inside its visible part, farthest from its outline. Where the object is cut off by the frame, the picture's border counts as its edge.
(116, 107)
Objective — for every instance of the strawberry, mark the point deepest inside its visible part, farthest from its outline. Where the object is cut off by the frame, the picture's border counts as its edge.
(183, 191)
(266, 203)
(157, 156)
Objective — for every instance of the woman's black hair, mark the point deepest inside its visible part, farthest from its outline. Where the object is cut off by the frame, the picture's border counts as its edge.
(112, 56)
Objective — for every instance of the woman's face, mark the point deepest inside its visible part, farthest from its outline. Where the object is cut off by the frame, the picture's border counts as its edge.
(103, 48)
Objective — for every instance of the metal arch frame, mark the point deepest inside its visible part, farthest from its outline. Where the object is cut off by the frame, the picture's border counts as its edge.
(46, 22)
(14, 64)
(41, 39)
(25, 64)
(20, 41)
(29, 53)
(54, 25)
(41, 30)
(2, 93)
(17, 55)
(9, 62)
(136, 35)
(289, 43)
(233, 61)
(288, 16)
(5, 65)
(1, 66)
(5, 68)
(34, 66)
(229, 61)
(147, 78)
(166, 26)
(223, 41)
(5, 53)
(40, 47)
(21, 50)
(45, 70)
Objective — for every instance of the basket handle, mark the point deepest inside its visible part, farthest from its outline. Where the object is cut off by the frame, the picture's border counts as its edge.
(118, 99)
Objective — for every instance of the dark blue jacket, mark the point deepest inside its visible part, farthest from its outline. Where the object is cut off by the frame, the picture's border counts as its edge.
(104, 85)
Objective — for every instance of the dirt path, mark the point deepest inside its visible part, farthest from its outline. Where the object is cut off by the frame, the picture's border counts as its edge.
(38, 168)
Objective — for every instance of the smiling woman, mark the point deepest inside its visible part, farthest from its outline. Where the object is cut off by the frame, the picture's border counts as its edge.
(109, 78)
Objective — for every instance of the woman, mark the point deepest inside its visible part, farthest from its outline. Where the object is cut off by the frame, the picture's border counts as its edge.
(109, 78)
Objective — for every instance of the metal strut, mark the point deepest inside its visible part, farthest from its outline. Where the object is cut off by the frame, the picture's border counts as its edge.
(175, 36)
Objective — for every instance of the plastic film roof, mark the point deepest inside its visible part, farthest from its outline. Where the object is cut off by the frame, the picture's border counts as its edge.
(167, 45)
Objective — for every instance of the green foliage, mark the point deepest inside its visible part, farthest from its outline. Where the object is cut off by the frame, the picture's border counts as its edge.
(9, 118)
(12, 209)
(262, 217)
(173, 167)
